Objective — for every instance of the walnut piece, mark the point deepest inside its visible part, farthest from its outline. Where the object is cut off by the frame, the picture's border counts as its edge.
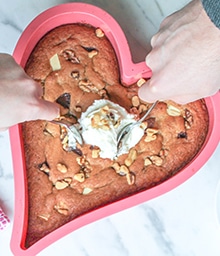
(79, 177)
(173, 111)
(132, 156)
(62, 168)
(151, 134)
(99, 33)
(140, 82)
(62, 208)
(130, 178)
(92, 54)
(61, 184)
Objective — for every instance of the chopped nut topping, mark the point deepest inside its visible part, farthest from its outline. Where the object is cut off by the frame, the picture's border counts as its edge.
(68, 180)
(64, 138)
(102, 119)
(85, 165)
(147, 162)
(51, 129)
(103, 93)
(62, 168)
(188, 119)
(151, 131)
(132, 156)
(135, 101)
(140, 82)
(63, 134)
(173, 111)
(95, 120)
(105, 127)
(134, 111)
(86, 172)
(164, 153)
(156, 160)
(92, 53)
(99, 33)
(66, 147)
(79, 177)
(95, 152)
(63, 211)
(69, 55)
(81, 160)
(61, 208)
(104, 110)
(86, 191)
(130, 178)
(151, 134)
(61, 184)
(86, 86)
(44, 167)
(45, 216)
(142, 108)
(144, 125)
(78, 109)
(123, 170)
(116, 166)
(187, 125)
(75, 74)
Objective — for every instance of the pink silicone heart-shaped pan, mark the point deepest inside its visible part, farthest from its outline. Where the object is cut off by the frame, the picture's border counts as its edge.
(130, 72)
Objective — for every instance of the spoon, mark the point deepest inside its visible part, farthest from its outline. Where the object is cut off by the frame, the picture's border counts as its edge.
(72, 129)
(127, 128)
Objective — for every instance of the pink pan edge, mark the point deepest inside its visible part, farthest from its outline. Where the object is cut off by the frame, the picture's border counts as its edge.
(129, 72)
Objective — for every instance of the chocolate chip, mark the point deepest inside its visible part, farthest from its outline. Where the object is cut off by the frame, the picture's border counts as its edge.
(88, 49)
(182, 135)
(150, 122)
(64, 100)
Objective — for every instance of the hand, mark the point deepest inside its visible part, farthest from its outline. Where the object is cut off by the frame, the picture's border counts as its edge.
(185, 57)
(21, 97)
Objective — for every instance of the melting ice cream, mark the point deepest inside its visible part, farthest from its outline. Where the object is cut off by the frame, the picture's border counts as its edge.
(100, 125)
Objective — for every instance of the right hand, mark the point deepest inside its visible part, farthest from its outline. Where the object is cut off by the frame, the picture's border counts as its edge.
(185, 58)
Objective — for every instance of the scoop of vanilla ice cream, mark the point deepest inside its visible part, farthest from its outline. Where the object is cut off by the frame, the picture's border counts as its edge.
(100, 125)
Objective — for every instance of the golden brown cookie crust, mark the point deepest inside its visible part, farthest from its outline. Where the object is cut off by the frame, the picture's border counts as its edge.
(63, 185)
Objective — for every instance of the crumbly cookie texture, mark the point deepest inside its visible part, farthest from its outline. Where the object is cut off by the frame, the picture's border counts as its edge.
(64, 183)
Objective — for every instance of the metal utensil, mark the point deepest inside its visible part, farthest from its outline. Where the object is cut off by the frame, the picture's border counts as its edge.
(127, 128)
(72, 129)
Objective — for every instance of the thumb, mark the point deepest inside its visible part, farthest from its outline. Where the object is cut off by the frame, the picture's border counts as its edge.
(148, 93)
(46, 110)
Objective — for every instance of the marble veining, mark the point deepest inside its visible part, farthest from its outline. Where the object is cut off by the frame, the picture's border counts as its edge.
(182, 222)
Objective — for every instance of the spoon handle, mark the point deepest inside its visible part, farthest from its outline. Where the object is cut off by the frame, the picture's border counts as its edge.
(148, 112)
(126, 129)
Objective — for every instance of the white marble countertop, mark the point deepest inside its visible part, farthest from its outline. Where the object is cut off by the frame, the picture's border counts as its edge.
(183, 222)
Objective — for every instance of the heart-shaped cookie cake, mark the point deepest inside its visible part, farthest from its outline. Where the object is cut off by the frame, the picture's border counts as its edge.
(72, 172)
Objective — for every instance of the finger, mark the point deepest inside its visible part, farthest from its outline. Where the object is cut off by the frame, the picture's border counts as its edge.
(148, 60)
(165, 22)
(32, 88)
(45, 110)
(148, 93)
(159, 37)
(153, 40)
(152, 58)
